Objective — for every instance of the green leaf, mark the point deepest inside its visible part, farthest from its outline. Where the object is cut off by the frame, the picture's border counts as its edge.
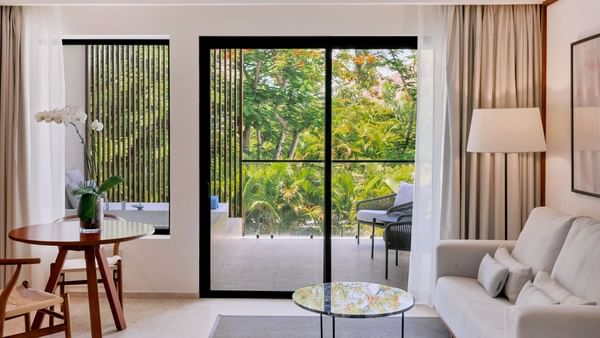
(84, 190)
(110, 183)
(87, 207)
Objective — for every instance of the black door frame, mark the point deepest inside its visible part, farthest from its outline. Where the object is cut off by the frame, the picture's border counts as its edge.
(328, 43)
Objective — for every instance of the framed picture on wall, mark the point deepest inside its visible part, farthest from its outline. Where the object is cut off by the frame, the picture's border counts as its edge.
(585, 116)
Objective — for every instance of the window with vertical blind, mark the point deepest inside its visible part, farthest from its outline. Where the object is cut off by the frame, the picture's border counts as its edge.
(127, 89)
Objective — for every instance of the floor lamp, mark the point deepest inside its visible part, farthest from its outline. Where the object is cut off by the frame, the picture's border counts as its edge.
(512, 130)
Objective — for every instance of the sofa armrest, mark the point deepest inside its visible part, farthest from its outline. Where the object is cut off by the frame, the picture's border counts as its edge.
(461, 258)
(552, 321)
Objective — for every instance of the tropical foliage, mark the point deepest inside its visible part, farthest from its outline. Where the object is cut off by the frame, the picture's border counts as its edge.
(373, 118)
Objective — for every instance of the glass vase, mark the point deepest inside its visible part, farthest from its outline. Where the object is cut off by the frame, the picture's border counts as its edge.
(91, 221)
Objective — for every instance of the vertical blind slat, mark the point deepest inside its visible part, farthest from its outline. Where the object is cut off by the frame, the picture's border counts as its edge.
(128, 91)
(225, 125)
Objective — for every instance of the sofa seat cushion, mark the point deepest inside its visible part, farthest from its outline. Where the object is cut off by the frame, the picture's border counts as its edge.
(542, 238)
(577, 267)
(468, 310)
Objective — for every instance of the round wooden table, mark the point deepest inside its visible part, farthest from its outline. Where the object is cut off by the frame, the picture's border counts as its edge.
(66, 236)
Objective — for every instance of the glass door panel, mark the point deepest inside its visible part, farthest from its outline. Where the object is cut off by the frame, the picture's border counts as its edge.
(267, 168)
(373, 147)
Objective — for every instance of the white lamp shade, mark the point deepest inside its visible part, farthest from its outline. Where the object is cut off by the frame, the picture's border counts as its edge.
(511, 130)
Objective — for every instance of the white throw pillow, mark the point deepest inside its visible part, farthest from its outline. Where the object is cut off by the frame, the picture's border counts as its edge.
(531, 295)
(73, 199)
(542, 238)
(556, 291)
(491, 275)
(405, 194)
(518, 274)
(73, 177)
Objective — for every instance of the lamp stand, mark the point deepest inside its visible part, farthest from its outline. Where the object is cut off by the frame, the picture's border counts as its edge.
(505, 196)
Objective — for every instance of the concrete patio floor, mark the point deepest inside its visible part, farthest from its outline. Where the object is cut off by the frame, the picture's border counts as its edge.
(285, 264)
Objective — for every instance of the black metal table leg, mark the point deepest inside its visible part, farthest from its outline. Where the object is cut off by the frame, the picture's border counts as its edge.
(402, 324)
(321, 325)
(373, 237)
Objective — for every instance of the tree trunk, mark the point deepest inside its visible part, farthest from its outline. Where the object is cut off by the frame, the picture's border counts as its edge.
(256, 74)
(280, 144)
(294, 144)
(246, 140)
(259, 141)
(284, 125)
(409, 130)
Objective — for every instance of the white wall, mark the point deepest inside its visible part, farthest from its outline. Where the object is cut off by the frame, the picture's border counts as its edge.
(74, 57)
(172, 265)
(568, 21)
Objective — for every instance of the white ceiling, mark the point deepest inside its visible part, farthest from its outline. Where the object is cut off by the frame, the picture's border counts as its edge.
(258, 2)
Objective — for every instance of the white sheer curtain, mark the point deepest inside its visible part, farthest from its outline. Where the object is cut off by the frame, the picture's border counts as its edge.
(428, 175)
(45, 89)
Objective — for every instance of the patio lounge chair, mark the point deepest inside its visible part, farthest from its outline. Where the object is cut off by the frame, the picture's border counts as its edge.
(379, 211)
(397, 235)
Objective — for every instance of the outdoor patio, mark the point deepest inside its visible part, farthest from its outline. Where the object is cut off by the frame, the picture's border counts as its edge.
(285, 264)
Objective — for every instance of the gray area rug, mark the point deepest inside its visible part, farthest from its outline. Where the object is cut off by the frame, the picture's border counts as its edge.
(308, 326)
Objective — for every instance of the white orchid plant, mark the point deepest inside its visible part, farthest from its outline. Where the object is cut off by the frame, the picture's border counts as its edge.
(89, 190)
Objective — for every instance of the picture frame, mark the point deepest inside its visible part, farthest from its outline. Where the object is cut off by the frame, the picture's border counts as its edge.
(585, 116)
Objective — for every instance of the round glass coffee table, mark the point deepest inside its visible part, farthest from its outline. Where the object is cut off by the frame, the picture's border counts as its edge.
(353, 300)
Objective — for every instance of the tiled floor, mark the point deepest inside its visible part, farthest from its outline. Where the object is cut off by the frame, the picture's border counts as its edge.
(263, 264)
(287, 264)
(180, 318)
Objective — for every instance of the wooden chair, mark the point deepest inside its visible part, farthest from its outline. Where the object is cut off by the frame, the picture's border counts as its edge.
(78, 264)
(20, 301)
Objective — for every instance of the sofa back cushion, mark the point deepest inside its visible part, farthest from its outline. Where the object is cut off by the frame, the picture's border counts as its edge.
(577, 267)
(542, 238)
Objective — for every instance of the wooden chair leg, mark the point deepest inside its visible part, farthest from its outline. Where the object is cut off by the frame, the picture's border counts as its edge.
(27, 319)
(62, 284)
(120, 282)
(51, 319)
(67, 315)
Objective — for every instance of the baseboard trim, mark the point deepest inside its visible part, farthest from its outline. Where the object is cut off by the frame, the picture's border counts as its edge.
(147, 295)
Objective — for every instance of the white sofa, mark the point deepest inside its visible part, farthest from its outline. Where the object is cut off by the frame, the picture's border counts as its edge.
(566, 246)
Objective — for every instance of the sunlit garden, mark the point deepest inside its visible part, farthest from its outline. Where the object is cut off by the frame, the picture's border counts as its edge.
(283, 136)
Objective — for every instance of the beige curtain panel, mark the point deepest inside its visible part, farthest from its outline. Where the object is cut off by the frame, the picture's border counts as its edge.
(493, 61)
(13, 128)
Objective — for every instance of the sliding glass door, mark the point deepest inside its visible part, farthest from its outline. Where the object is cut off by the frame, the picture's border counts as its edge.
(294, 131)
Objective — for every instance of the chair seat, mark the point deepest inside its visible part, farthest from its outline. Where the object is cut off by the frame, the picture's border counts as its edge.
(23, 300)
(367, 215)
(78, 264)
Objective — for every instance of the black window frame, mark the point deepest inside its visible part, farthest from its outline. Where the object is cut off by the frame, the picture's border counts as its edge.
(206, 43)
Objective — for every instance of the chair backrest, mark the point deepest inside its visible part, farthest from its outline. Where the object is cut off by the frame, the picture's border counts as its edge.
(404, 194)
(10, 284)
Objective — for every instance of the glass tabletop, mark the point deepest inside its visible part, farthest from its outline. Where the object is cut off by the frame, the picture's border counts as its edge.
(353, 299)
